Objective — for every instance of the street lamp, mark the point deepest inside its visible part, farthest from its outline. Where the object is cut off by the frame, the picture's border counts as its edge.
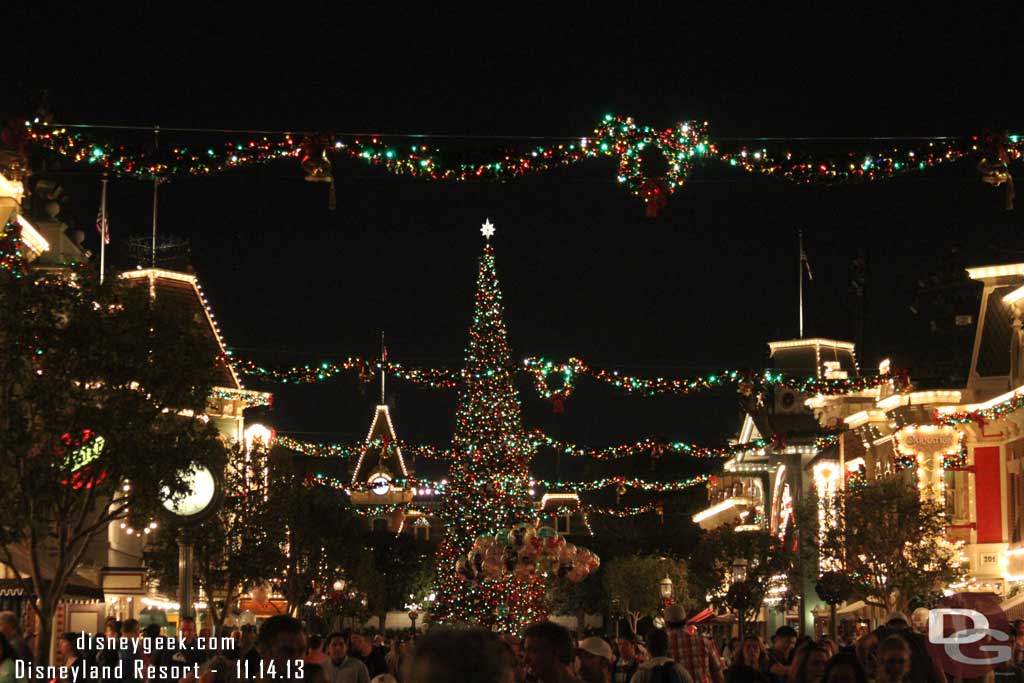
(665, 588)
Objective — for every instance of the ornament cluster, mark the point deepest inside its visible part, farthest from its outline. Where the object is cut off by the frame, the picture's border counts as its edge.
(525, 550)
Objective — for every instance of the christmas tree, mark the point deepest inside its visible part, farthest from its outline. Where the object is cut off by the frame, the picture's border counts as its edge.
(489, 478)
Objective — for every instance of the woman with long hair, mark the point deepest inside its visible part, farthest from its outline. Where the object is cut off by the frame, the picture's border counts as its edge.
(747, 662)
(809, 664)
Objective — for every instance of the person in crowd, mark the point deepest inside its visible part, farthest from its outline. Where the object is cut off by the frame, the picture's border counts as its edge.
(1017, 631)
(339, 667)
(894, 660)
(151, 632)
(384, 678)
(217, 669)
(844, 668)
(463, 655)
(923, 668)
(747, 662)
(316, 654)
(515, 651)
(595, 660)
(189, 655)
(130, 630)
(7, 661)
(9, 630)
(548, 649)
(689, 649)
(730, 651)
(828, 645)
(281, 641)
(809, 664)
(780, 654)
(628, 661)
(361, 647)
(70, 656)
(659, 667)
(109, 657)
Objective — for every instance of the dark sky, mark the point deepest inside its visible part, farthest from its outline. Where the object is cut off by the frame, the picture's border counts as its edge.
(703, 286)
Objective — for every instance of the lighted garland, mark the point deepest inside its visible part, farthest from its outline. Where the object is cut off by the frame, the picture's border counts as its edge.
(539, 439)
(616, 136)
(622, 483)
(655, 447)
(983, 415)
(748, 382)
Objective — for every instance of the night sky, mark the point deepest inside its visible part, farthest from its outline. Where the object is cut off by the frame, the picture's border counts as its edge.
(702, 287)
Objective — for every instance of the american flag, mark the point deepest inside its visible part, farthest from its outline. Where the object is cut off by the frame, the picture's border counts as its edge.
(807, 264)
(103, 226)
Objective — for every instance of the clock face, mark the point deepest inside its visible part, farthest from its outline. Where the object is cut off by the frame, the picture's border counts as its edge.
(380, 485)
(202, 488)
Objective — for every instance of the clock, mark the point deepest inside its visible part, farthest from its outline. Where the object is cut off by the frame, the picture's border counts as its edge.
(380, 484)
(202, 488)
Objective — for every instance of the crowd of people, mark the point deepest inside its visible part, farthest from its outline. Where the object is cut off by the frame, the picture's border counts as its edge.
(545, 653)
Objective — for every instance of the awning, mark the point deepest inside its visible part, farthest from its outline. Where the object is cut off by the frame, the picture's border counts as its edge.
(851, 608)
(1014, 607)
(78, 585)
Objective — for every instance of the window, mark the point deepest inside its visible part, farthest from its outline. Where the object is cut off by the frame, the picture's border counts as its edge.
(957, 509)
(380, 524)
(562, 524)
(421, 532)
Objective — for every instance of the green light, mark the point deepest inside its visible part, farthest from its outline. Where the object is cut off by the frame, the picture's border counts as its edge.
(97, 152)
(390, 154)
(1014, 139)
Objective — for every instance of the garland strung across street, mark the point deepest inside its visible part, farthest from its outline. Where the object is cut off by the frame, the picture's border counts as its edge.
(656, 447)
(622, 484)
(747, 382)
(620, 137)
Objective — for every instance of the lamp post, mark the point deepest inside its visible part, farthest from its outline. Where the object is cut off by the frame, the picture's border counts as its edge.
(665, 589)
(740, 594)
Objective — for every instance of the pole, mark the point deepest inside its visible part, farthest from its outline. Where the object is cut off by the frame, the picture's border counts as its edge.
(103, 230)
(186, 549)
(383, 362)
(800, 279)
(156, 184)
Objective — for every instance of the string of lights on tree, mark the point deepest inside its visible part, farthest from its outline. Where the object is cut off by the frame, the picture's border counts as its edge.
(11, 260)
(621, 137)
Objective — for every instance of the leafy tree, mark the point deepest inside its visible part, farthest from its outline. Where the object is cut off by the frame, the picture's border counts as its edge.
(321, 533)
(238, 546)
(589, 596)
(399, 566)
(889, 542)
(768, 565)
(632, 584)
(101, 390)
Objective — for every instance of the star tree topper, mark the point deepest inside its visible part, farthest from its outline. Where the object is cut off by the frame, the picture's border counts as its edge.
(487, 229)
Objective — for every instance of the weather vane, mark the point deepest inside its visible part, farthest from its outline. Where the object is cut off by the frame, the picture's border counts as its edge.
(487, 229)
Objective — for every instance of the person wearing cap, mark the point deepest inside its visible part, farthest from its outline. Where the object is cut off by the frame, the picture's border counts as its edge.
(690, 650)
(660, 668)
(594, 658)
(628, 660)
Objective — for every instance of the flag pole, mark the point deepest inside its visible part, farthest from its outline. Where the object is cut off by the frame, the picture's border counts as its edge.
(103, 230)
(156, 185)
(800, 279)
(383, 362)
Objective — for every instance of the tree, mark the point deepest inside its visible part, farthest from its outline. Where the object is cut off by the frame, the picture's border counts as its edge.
(580, 599)
(395, 574)
(101, 393)
(322, 536)
(488, 481)
(738, 570)
(239, 545)
(889, 542)
(632, 583)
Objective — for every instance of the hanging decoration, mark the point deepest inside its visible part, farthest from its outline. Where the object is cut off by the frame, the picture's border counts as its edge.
(982, 416)
(11, 259)
(622, 483)
(621, 137)
(656, 447)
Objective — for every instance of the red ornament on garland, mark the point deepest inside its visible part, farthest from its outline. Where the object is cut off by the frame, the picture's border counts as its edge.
(654, 192)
